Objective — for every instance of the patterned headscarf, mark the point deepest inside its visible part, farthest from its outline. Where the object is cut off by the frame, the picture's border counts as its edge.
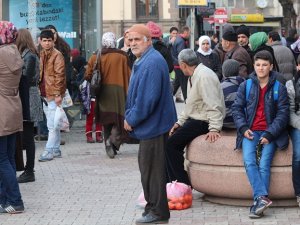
(109, 40)
(8, 32)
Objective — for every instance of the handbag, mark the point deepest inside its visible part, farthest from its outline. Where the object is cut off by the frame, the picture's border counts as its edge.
(96, 76)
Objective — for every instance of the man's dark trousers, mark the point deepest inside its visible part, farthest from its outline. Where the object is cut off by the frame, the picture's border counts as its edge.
(180, 81)
(175, 149)
(151, 159)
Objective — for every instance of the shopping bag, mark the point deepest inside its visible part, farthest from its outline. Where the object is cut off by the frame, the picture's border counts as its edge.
(67, 100)
(61, 120)
(179, 195)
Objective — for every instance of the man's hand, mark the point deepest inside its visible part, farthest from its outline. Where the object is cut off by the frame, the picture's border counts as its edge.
(264, 141)
(127, 127)
(212, 136)
(248, 134)
(173, 129)
(58, 100)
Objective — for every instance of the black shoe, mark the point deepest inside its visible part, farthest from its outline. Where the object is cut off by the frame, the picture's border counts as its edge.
(41, 137)
(26, 176)
(11, 209)
(109, 151)
(149, 218)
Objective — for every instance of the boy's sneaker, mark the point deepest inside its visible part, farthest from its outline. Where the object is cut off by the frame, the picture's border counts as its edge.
(26, 176)
(262, 204)
(46, 156)
(298, 200)
(11, 209)
(57, 154)
(252, 213)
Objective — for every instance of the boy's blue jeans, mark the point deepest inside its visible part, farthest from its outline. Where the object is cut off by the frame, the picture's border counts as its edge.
(295, 136)
(258, 175)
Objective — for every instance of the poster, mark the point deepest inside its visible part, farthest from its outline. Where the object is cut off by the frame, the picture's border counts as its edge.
(35, 14)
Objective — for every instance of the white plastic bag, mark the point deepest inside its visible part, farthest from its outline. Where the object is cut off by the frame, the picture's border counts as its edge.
(61, 120)
(67, 100)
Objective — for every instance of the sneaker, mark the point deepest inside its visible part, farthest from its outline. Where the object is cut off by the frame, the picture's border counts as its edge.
(252, 213)
(298, 200)
(46, 156)
(12, 209)
(57, 154)
(26, 176)
(262, 204)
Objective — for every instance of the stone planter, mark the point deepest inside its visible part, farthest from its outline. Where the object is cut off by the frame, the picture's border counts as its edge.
(216, 170)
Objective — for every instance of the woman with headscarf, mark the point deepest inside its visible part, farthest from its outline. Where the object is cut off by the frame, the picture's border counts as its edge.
(11, 118)
(257, 43)
(208, 57)
(110, 98)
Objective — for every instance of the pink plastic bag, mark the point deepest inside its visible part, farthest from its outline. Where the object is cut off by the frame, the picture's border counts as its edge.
(141, 200)
(179, 195)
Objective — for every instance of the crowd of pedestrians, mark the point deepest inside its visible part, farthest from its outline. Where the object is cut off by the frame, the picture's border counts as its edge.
(247, 82)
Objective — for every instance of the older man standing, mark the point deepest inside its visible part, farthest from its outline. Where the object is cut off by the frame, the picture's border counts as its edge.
(203, 113)
(150, 114)
(234, 51)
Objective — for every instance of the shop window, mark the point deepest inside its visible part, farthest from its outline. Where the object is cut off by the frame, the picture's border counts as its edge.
(230, 3)
(147, 9)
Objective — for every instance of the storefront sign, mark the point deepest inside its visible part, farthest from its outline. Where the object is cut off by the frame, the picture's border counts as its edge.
(34, 14)
(192, 2)
(239, 18)
(220, 16)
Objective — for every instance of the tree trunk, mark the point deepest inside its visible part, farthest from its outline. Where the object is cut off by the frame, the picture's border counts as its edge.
(289, 14)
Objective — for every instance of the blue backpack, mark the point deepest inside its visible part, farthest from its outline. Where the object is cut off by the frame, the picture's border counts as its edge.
(275, 89)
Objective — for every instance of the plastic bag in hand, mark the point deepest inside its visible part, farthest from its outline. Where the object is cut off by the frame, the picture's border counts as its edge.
(61, 120)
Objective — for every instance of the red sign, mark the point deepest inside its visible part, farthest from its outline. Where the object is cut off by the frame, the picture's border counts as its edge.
(220, 16)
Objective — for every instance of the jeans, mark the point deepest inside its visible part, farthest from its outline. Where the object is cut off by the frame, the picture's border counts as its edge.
(53, 143)
(258, 175)
(295, 136)
(9, 187)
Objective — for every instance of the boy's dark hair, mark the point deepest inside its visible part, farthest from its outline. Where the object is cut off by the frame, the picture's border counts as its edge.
(47, 34)
(264, 55)
(185, 28)
(173, 28)
(274, 35)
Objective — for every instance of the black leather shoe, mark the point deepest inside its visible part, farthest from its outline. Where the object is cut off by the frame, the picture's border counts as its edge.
(151, 219)
(26, 176)
(110, 152)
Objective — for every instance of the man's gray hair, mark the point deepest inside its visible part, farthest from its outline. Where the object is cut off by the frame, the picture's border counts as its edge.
(189, 57)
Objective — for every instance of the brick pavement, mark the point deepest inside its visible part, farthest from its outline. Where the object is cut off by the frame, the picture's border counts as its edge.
(85, 187)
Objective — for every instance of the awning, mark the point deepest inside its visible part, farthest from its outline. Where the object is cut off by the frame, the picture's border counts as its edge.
(264, 24)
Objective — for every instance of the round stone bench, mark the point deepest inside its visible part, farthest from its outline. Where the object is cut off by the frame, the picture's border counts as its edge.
(216, 170)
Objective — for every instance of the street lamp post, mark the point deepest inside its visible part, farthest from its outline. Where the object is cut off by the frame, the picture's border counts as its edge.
(99, 21)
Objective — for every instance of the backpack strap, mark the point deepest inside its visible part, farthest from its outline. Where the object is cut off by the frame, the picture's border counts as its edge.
(248, 87)
(275, 90)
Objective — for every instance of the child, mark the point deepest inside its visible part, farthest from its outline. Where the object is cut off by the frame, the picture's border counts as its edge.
(52, 87)
(293, 89)
(261, 114)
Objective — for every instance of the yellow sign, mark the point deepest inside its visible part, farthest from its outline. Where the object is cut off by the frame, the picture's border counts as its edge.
(247, 18)
(192, 2)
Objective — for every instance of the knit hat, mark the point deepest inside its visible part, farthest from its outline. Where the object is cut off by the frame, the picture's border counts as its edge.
(141, 29)
(230, 36)
(243, 29)
(230, 68)
(257, 39)
(8, 32)
(155, 30)
(227, 27)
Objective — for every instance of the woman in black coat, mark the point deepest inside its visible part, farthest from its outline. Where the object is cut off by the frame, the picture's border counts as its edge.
(208, 57)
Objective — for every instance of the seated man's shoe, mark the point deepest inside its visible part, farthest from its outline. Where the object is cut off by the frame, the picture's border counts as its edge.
(151, 219)
(46, 156)
(253, 214)
(262, 204)
(26, 176)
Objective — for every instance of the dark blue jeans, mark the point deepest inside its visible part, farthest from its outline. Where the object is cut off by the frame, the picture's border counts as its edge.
(295, 136)
(9, 187)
